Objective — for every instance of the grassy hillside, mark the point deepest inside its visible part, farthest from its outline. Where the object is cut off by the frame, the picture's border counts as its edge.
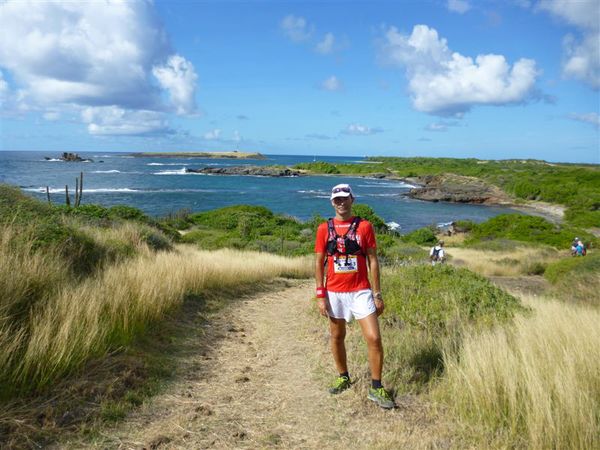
(78, 283)
(575, 186)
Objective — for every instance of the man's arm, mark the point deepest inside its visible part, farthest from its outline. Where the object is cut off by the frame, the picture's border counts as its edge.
(375, 278)
(319, 278)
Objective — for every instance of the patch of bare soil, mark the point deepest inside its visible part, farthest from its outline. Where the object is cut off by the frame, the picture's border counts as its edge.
(256, 385)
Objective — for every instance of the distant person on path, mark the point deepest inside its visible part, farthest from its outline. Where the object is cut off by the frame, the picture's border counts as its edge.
(436, 254)
(347, 244)
(577, 247)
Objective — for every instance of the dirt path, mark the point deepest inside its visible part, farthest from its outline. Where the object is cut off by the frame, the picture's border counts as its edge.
(261, 385)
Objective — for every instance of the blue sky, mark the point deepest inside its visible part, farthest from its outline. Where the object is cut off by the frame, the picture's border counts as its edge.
(457, 78)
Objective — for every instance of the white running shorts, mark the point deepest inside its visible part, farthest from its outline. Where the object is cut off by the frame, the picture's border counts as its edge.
(349, 305)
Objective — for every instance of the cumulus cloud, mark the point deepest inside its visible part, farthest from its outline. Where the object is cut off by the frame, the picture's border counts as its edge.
(459, 6)
(213, 135)
(93, 54)
(331, 84)
(3, 88)
(115, 121)
(179, 78)
(581, 56)
(296, 28)
(357, 129)
(447, 83)
(326, 46)
(592, 118)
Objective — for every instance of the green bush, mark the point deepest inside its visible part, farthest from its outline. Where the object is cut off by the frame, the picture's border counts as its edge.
(431, 297)
(528, 229)
(566, 268)
(366, 212)
(421, 236)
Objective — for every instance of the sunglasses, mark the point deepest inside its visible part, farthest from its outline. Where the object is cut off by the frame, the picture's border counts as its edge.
(340, 189)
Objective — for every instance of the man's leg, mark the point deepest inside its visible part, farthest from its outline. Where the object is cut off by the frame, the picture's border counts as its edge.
(337, 328)
(370, 330)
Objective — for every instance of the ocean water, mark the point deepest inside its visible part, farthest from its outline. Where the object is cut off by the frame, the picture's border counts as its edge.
(160, 186)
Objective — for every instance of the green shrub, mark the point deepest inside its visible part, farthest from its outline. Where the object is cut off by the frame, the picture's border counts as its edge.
(366, 212)
(528, 229)
(431, 297)
(421, 236)
(566, 268)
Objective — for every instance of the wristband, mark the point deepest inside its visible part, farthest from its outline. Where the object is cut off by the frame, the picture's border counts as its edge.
(321, 292)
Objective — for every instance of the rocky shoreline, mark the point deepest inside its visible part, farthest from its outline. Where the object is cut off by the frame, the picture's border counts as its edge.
(258, 171)
(457, 189)
(432, 188)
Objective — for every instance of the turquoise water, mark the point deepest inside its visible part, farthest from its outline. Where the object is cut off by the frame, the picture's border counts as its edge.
(159, 186)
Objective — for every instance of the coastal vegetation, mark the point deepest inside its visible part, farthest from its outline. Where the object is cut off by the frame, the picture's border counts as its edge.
(80, 285)
(576, 186)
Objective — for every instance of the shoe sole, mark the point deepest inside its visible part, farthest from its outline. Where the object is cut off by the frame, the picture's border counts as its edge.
(380, 405)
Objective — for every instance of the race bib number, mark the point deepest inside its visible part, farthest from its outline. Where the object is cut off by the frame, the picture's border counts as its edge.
(343, 265)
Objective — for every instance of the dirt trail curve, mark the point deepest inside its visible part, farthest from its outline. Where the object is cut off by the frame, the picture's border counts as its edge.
(259, 386)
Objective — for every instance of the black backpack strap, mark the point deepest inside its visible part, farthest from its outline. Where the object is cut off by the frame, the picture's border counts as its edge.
(353, 228)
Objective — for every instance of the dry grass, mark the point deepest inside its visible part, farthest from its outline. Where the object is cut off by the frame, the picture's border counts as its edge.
(86, 319)
(537, 382)
(521, 261)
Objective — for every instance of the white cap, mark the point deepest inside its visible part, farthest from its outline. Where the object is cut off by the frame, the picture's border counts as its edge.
(341, 190)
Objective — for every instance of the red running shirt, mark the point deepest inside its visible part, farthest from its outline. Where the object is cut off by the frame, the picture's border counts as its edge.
(351, 275)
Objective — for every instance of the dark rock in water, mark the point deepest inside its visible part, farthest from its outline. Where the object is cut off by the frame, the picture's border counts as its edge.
(261, 171)
(70, 157)
(459, 189)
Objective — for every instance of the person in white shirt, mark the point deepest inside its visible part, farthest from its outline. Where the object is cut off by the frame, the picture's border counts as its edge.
(436, 254)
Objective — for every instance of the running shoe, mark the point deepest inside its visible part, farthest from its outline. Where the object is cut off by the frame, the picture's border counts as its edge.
(381, 397)
(339, 385)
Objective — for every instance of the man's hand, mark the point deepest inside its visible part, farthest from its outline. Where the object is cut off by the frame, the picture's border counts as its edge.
(321, 303)
(379, 306)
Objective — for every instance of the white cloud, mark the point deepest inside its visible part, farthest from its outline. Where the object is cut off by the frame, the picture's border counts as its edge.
(591, 118)
(93, 54)
(213, 135)
(3, 88)
(357, 129)
(447, 83)
(296, 28)
(179, 78)
(581, 59)
(459, 6)
(581, 13)
(115, 121)
(332, 84)
(326, 46)
(236, 136)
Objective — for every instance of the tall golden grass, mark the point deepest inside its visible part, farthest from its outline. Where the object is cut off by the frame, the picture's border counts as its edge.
(537, 381)
(74, 321)
(502, 263)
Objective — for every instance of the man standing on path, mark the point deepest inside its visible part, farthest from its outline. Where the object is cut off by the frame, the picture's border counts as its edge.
(348, 245)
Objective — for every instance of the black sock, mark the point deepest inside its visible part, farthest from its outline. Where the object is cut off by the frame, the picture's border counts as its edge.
(376, 384)
(345, 374)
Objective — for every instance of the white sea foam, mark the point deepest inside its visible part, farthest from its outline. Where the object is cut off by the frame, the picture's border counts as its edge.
(52, 160)
(89, 191)
(181, 171)
(106, 171)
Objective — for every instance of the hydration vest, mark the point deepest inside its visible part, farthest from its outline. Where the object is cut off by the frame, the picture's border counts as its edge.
(351, 245)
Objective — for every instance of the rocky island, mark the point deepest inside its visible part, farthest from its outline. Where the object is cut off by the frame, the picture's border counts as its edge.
(260, 171)
(70, 157)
